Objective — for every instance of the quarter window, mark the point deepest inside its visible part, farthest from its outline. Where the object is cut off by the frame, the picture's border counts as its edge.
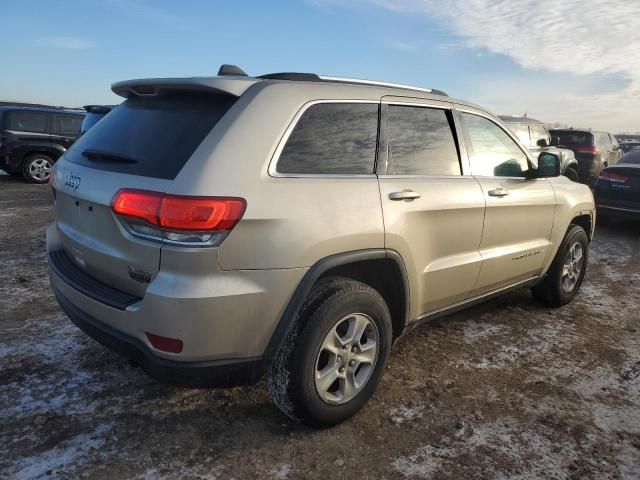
(332, 138)
(492, 151)
(421, 142)
(35, 122)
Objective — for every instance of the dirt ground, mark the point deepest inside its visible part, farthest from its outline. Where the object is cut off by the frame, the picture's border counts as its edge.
(508, 389)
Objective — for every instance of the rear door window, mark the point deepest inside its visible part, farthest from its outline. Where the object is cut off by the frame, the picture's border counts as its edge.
(35, 122)
(492, 152)
(332, 138)
(150, 136)
(421, 142)
(67, 124)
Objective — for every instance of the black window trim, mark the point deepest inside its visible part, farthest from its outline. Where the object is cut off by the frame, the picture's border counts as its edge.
(383, 152)
(273, 164)
(513, 137)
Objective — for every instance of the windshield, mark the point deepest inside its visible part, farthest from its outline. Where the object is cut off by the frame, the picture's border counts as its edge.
(573, 138)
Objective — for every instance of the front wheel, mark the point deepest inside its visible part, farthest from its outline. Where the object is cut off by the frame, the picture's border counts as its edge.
(567, 271)
(332, 360)
(37, 168)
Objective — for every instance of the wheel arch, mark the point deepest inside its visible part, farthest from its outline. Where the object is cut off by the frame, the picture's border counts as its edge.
(382, 269)
(585, 221)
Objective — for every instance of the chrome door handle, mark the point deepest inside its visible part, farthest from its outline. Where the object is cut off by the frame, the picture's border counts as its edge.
(404, 195)
(498, 192)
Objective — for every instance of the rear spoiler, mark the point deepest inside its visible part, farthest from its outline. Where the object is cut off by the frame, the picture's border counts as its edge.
(150, 87)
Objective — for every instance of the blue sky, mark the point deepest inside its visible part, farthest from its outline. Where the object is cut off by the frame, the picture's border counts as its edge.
(506, 57)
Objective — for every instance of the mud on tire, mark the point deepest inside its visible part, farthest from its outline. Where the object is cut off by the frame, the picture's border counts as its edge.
(291, 378)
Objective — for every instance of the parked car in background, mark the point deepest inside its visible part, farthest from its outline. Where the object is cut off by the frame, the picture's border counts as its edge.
(534, 135)
(617, 191)
(350, 217)
(594, 150)
(32, 139)
(95, 113)
(629, 146)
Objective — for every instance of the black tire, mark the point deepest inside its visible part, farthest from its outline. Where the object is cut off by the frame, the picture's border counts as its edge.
(36, 168)
(572, 174)
(291, 380)
(550, 290)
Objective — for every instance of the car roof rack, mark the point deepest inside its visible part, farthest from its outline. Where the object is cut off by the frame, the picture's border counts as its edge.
(312, 77)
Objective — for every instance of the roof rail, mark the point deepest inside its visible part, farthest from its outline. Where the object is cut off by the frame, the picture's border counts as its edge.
(312, 77)
(375, 83)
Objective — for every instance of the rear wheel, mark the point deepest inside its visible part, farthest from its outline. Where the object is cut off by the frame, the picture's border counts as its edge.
(332, 360)
(567, 271)
(571, 174)
(37, 168)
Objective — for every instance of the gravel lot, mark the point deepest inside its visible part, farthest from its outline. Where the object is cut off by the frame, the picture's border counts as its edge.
(504, 390)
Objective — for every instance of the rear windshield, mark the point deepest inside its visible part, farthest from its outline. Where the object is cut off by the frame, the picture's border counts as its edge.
(90, 120)
(571, 138)
(150, 136)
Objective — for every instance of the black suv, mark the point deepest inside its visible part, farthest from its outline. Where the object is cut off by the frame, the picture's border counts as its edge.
(32, 139)
(594, 151)
(534, 135)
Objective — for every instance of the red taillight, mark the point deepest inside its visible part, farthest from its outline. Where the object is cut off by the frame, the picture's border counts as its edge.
(138, 204)
(175, 212)
(587, 149)
(166, 344)
(611, 176)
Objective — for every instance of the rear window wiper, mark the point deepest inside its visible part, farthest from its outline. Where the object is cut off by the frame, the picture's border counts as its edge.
(108, 156)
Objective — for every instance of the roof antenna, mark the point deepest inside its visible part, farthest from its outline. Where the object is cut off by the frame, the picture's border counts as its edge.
(231, 70)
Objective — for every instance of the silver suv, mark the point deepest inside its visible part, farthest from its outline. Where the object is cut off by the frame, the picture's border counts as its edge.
(217, 230)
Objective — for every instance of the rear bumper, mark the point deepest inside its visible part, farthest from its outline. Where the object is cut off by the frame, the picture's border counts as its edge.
(225, 319)
(217, 373)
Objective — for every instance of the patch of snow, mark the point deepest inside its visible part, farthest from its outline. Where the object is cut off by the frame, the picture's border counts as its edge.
(281, 472)
(2, 172)
(70, 453)
(424, 462)
(474, 331)
(404, 414)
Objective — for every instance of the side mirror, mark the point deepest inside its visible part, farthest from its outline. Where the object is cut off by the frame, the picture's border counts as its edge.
(542, 142)
(555, 141)
(548, 165)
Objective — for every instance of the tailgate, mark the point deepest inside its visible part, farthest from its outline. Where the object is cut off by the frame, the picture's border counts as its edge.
(142, 144)
(93, 237)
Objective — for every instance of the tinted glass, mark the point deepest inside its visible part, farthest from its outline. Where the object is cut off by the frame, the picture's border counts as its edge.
(158, 133)
(90, 120)
(538, 132)
(632, 158)
(332, 138)
(521, 131)
(27, 121)
(492, 151)
(421, 142)
(67, 124)
(572, 138)
(628, 146)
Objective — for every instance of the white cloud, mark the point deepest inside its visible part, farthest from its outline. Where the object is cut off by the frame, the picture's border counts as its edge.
(576, 37)
(70, 43)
